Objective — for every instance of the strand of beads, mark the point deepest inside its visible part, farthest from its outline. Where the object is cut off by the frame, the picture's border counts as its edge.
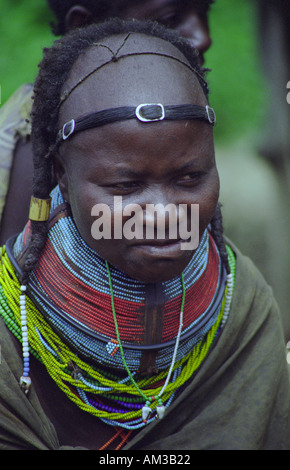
(231, 277)
(146, 410)
(57, 357)
(25, 381)
(50, 349)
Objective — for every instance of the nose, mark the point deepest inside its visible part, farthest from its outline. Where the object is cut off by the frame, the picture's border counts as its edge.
(195, 29)
(161, 214)
(161, 217)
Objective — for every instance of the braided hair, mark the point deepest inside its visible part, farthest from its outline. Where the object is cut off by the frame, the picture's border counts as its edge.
(54, 69)
(101, 10)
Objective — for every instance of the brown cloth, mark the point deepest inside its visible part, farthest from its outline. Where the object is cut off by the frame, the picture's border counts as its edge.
(238, 400)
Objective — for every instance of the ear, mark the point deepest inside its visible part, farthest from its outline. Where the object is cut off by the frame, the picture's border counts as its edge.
(61, 177)
(76, 17)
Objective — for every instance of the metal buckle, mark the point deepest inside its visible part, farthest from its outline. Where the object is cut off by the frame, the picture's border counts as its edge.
(70, 123)
(139, 116)
(211, 118)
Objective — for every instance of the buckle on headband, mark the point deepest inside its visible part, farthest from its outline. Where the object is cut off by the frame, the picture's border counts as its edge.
(210, 115)
(141, 112)
(68, 129)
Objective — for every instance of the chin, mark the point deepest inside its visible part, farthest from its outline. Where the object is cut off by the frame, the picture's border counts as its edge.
(158, 271)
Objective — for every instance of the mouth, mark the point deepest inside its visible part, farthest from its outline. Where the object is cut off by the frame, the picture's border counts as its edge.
(160, 248)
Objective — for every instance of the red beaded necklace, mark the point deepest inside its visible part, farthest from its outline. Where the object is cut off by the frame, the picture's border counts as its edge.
(93, 309)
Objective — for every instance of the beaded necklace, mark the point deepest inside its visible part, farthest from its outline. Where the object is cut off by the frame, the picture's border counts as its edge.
(92, 389)
(146, 410)
(70, 286)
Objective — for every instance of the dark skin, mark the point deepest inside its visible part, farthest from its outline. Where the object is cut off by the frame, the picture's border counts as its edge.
(157, 163)
(91, 167)
(181, 15)
(166, 172)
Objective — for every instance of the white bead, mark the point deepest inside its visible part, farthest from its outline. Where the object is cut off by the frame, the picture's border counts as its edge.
(23, 288)
(25, 349)
(160, 411)
(26, 354)
(145, 412)
(25, 383)
(23, 322)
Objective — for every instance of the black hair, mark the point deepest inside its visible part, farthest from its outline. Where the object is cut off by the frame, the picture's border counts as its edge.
(102, 10)
(54, 69)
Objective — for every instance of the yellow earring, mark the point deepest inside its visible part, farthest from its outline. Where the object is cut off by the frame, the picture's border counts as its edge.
(39, 209)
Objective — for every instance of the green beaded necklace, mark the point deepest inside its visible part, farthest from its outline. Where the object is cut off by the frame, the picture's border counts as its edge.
(57, 357)
(146, 410)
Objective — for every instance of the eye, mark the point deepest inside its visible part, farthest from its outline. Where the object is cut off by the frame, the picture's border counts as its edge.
(169, 16)
(125, 187)
(190, 179)
(169, 20)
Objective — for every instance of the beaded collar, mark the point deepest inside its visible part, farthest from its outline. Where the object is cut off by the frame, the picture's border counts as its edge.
(110, 397)
(71, 287)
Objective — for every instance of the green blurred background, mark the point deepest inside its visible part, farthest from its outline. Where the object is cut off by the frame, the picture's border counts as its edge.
(237, 88)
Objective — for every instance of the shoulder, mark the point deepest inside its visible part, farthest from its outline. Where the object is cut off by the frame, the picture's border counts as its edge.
(16, 110)
(14, 124)
(255, 317)
(250, 283)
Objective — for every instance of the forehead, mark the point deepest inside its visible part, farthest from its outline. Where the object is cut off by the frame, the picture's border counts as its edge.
(148, 70)
(129, 148)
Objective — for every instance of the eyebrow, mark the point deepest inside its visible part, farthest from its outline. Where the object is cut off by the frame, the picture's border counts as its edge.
(187, 167)
(128, 173)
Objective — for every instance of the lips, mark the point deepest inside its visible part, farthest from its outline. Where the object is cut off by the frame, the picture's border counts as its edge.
(160, 248)
(157, 242)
